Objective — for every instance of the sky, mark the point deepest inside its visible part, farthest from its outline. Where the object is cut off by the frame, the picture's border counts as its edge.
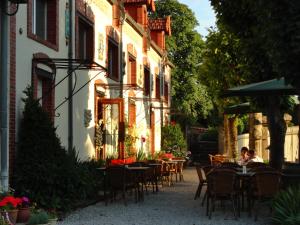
(203, 12)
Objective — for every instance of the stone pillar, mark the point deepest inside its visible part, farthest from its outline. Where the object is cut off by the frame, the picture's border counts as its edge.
(221, 141)
(265, 142)
(255, 132)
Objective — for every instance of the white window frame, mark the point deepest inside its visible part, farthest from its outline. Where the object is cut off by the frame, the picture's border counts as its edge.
(34, 19)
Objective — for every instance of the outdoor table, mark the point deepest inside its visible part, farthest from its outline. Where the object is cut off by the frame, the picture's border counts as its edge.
(244, 182)
(137, 171)
(178, 160)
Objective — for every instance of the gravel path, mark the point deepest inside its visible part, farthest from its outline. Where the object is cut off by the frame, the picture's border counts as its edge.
(170, 206)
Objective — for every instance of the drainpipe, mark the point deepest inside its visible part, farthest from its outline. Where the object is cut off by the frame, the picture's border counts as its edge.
(70, 78)
(4, 97)
(121, 56)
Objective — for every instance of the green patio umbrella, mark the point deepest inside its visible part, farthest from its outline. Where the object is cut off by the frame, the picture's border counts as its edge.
(242, 108)
(269, 87)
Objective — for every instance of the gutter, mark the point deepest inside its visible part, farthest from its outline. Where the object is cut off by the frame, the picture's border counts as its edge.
(70, 78)
(4, 97)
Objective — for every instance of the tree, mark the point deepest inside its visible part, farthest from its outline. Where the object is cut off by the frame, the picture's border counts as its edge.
(224, 65)
(247, 20)
(173, 140)
(44, 171)
(185, 50)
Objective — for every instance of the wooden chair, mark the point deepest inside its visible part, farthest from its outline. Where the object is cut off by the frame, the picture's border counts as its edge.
(221, 186)
(266, 186)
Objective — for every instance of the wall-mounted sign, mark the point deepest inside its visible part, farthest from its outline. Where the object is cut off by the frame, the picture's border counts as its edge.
(140, 76)
(87, 117)
(100, 46)
(67, 23)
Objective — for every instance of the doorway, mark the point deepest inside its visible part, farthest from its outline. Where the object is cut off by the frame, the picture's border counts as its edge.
(110, 116)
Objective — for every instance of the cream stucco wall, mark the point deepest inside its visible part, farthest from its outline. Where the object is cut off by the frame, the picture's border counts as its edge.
(26, 47)
(83, 137)
(291, 145)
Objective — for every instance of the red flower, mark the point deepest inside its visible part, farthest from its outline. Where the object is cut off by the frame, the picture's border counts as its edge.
(143, 139)
(10, 202)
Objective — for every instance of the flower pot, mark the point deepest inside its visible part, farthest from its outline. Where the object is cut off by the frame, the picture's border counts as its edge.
(12, 215)
(23, 215)
(52, 221)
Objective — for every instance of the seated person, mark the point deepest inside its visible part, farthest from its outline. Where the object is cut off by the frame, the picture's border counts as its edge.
(244, 156)
(252, 157)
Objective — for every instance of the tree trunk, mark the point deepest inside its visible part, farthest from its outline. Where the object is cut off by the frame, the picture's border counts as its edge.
(221, 142)
(277, 129)
(251, 131)
(226, 135)
(232, 137)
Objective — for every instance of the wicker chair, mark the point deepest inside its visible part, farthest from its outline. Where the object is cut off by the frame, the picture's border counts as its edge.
(230, 165)
(266, 186)
(263, 169)
(166, 174)
(256, 164)
(221, 186)
(120, 180)
(202, 181)
(216, 160)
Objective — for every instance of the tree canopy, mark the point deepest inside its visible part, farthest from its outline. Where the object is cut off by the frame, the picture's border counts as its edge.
(271, 27)
(185, 48)
(256, 23)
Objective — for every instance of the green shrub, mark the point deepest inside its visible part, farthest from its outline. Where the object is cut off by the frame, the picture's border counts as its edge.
(210, 135)
(38, 218)
(286, 207)
(44, 170)
(172, 140)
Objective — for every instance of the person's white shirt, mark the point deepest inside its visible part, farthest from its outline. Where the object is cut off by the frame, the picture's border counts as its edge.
(256, 159)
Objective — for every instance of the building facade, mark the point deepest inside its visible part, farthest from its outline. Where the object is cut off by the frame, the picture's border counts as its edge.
(98, 67)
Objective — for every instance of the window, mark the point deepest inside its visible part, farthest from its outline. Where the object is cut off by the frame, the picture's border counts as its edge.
(44, 18)
(85, 40)
(40, 18)
(146, 82)
(157, 87)
(166, 91)
(132, 114)
(132, 71)
(113, 60)
(44, 91)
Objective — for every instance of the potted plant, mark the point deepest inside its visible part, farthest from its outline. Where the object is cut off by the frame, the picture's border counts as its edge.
(24, 210)
(38, 218)
(52, 217)
(9, 207)
(3, 221)
(286, 207)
